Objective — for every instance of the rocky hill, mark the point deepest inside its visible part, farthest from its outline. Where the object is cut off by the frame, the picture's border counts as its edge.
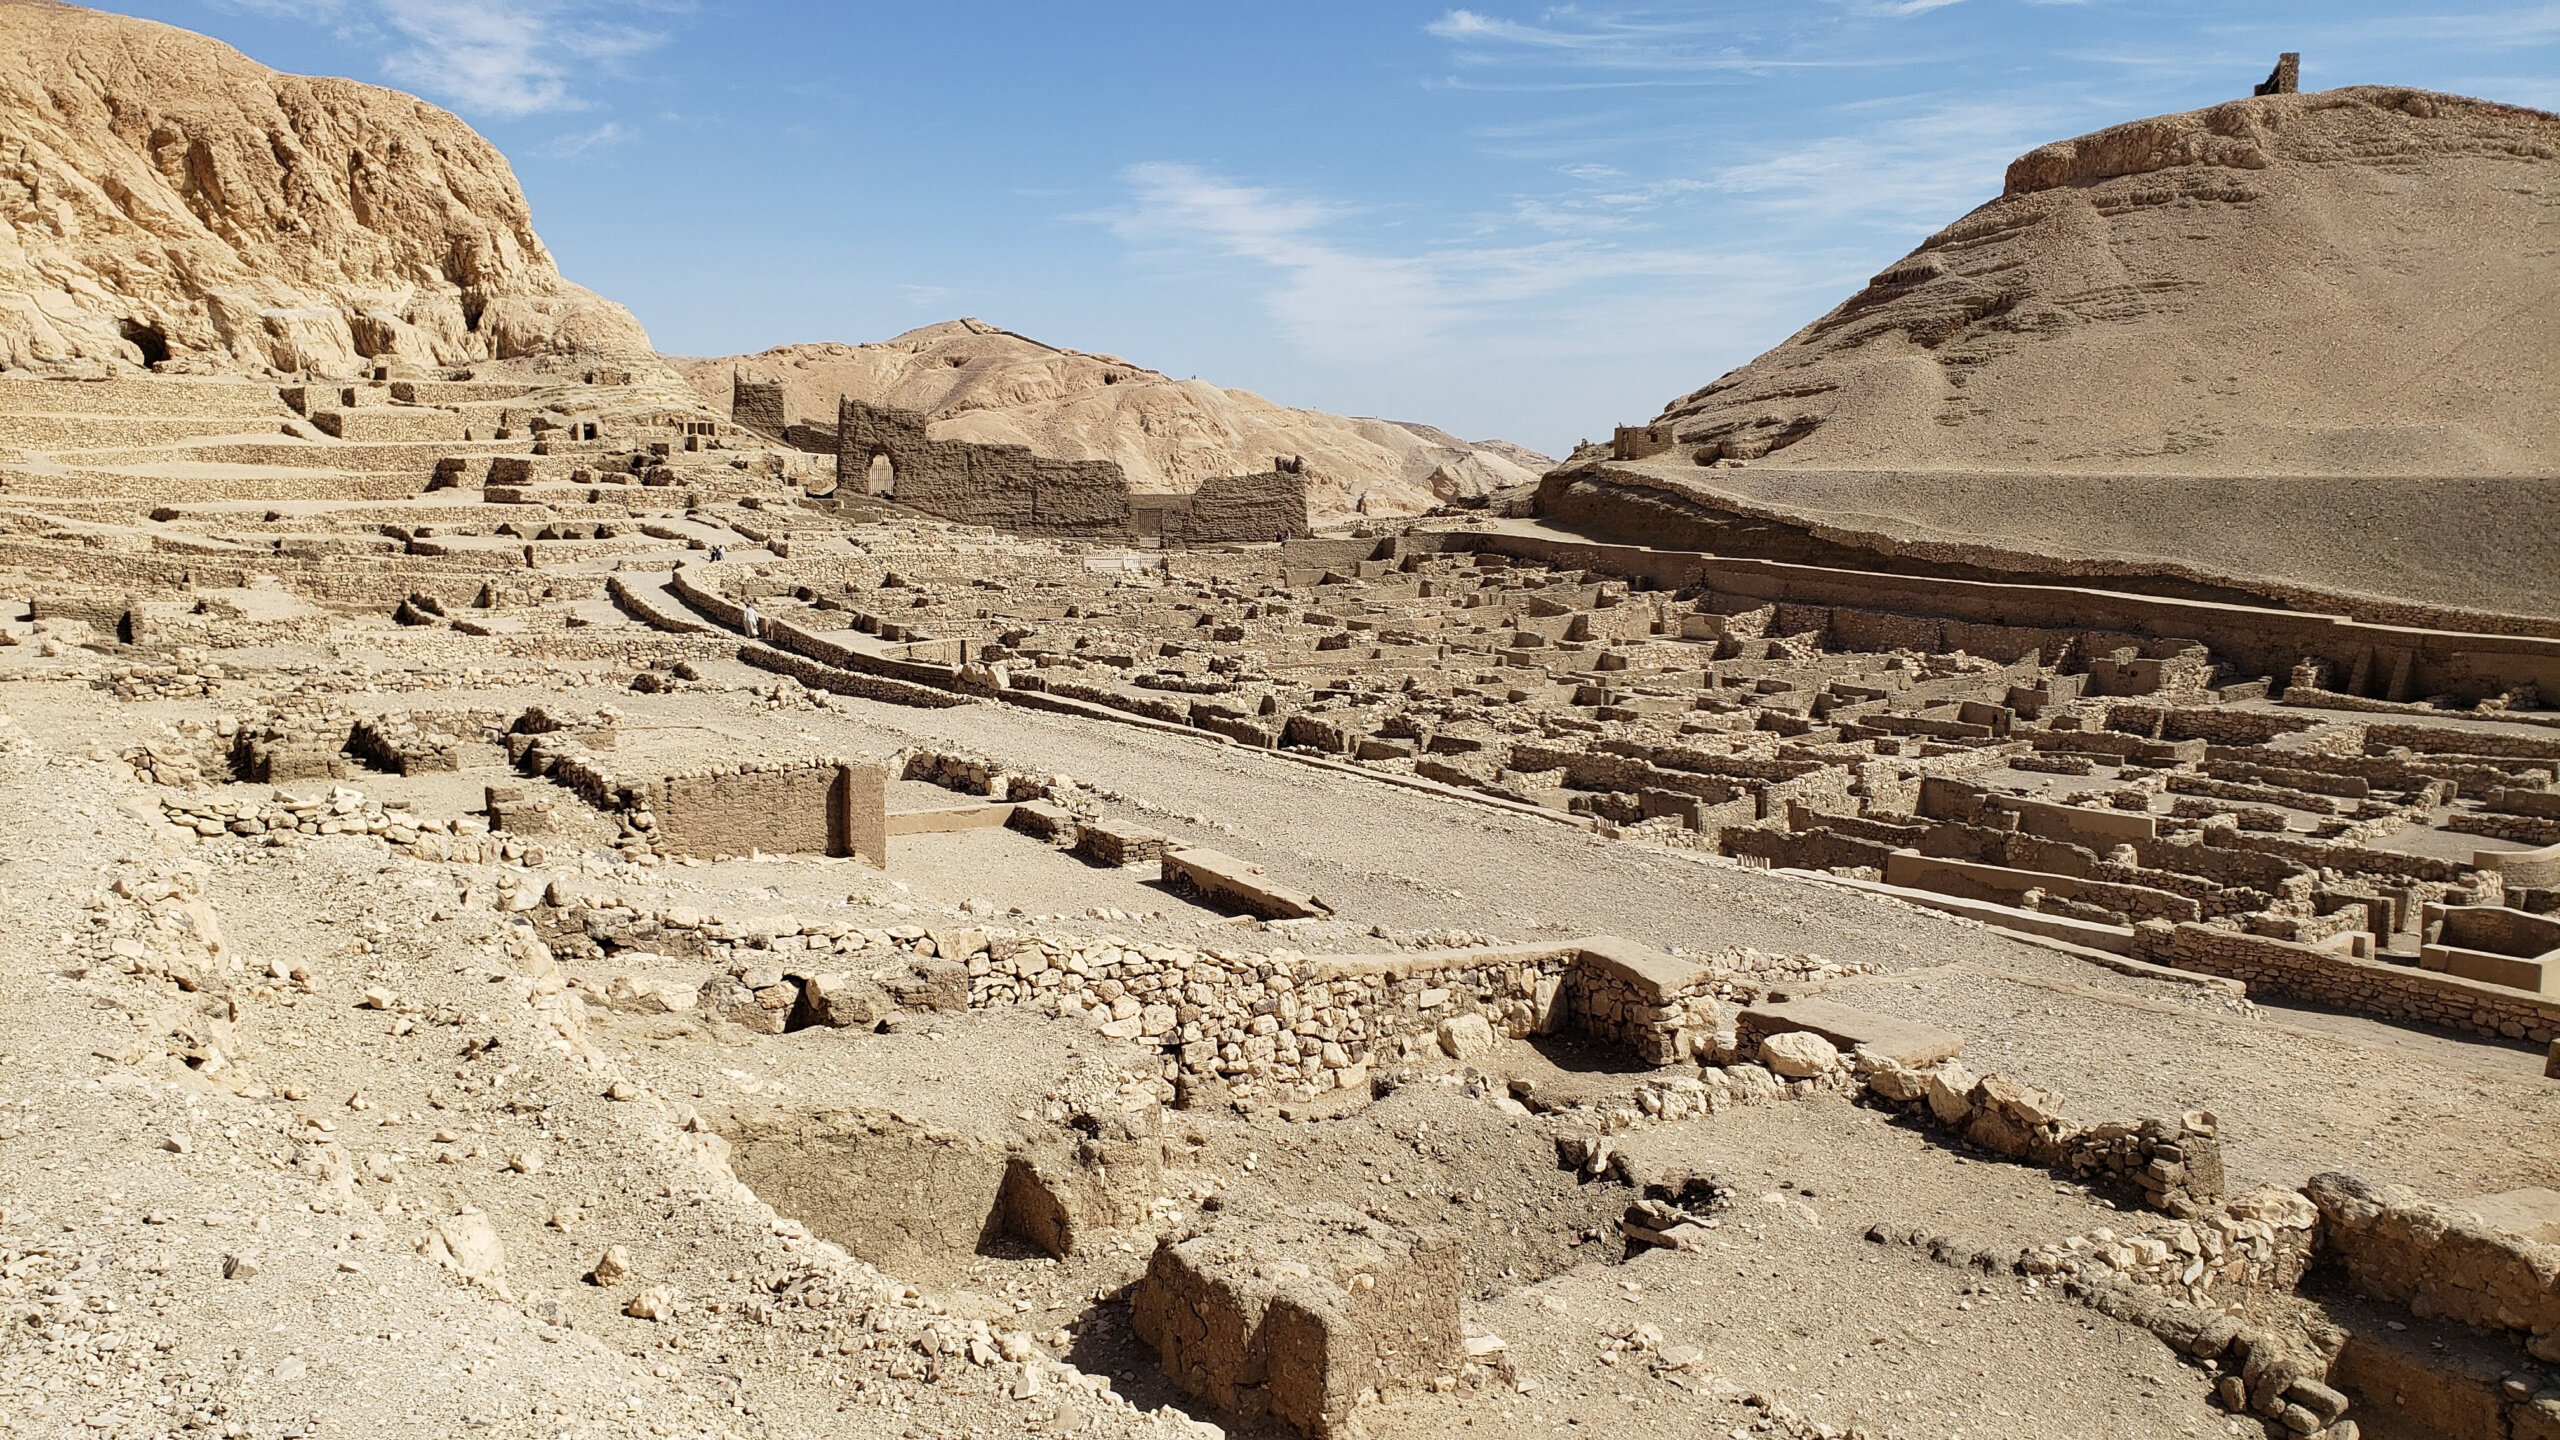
(981, 383)
(2297, 347)
(2351, 282)
(170, 199)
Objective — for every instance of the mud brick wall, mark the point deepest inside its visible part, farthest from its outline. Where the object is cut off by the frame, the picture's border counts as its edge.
(1253, 507)
(1002, 485)
(2322, 977)
(758, 404)
(2439, 1262)
(805, 809)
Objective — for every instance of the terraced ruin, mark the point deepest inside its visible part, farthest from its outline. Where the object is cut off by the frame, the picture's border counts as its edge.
(1647, 917)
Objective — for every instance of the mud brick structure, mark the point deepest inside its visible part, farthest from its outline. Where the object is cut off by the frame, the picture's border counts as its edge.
(820, 808)
(758, 404)
(1011, 488)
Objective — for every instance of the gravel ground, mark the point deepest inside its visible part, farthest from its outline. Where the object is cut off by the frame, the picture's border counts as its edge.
(350, 1159)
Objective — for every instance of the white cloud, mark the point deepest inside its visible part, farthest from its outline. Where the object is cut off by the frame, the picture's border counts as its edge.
(1920, 169)
(1572, 47)
(492, 57)
(1330, 300)
(313, 10)
(576, 143)
(1344, 303)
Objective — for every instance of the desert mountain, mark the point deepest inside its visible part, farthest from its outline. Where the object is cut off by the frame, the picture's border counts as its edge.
(169, 198)
(2350, 282)
(976, 382)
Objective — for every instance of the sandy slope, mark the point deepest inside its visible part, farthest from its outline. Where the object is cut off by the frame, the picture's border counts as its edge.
(2351, 282)
(981, 383)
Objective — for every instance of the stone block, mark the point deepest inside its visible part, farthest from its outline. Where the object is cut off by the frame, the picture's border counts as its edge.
(1464, 1037)
(1223, 880)
(1296, 1319)
(1908, 1043)
(844, 1001)
(1799, 1054)
(1655, 978)
(932, 985)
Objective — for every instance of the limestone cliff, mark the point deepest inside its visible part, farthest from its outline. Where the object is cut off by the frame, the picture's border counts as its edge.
(977, 382)
(168, 198)
(2351, 282)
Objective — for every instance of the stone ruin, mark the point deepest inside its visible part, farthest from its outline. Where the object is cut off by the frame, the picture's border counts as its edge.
(756, 774)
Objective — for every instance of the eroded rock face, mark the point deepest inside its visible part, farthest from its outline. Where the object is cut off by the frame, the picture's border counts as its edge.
(170, 199)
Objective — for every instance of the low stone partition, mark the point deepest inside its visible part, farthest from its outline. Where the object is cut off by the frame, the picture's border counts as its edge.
(856, 683)
(2171, 1165)
(1302, 1318)
(1661, 1008)
(2440, 1262)
(2366, 987)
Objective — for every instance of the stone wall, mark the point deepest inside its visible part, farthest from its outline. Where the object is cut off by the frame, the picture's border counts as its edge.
(2441, 1262)
(2325, 977)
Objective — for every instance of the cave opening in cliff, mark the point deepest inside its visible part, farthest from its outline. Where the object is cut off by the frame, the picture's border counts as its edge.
(148, 339)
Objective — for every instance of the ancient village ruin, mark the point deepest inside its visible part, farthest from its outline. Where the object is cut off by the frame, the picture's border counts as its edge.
(592, 912)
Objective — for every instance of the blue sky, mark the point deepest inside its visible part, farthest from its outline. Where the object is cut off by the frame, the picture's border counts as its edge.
(1523, 221)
